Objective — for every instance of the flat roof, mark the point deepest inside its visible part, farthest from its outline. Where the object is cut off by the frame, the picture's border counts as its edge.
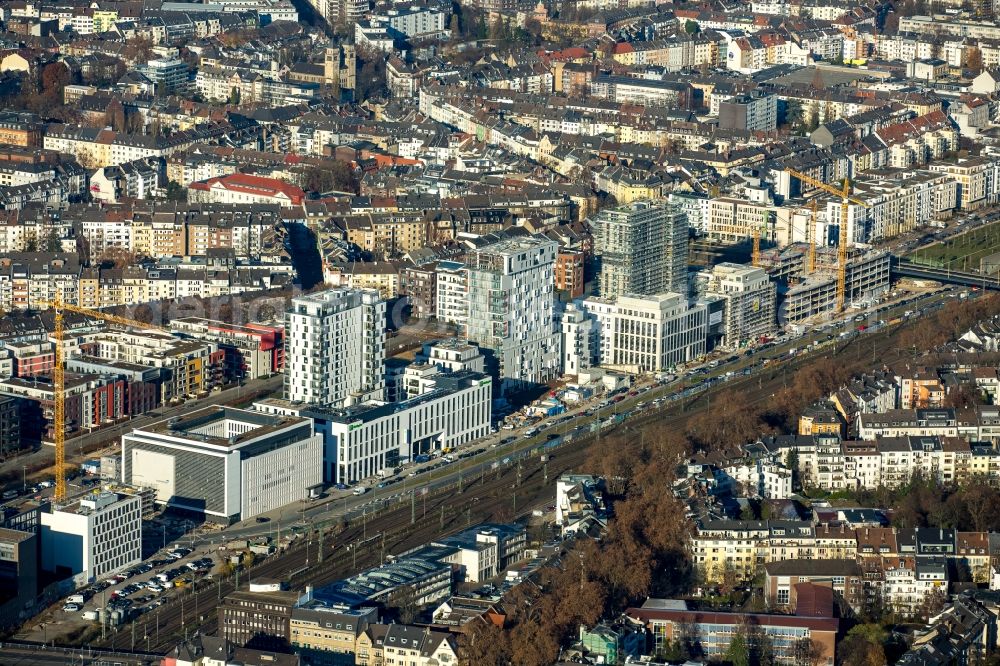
(192, 426)
(14, 536)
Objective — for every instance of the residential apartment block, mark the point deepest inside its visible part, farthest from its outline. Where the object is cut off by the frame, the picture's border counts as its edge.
(641, 249)
(509, 296)
(335, 347)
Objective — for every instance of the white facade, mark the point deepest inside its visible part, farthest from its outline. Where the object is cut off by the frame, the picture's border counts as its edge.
(361, 441)
(98, 536)
(452, 304)
(335, 347)
(229, 464)
(763, 478)
(649, 333)
(579, 346)
(454, 355)
(416, 21)
(510, 307)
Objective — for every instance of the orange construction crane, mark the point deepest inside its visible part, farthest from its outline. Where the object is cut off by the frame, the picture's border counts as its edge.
(845, 200)
(59, 379)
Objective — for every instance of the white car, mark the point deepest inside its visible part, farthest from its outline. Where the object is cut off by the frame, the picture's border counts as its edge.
(154, 587)
(71, 608)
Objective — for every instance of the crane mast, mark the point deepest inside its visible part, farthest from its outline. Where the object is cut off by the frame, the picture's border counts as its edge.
(811, 238)
(59, 379)
(845, 200)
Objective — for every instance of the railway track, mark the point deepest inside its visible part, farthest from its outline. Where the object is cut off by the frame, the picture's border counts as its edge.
(507, 492)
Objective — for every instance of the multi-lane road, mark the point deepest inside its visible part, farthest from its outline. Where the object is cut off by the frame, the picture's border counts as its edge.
(515, 487)
(501, 481)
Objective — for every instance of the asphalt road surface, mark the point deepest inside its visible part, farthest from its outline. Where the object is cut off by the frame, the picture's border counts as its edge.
(473, 490)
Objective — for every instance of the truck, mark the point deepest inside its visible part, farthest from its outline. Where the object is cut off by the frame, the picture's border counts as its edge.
(75, 599)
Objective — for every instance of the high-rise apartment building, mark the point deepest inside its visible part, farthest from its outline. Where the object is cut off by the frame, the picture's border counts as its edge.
(510, 299)
(642, 249)
(335, 347)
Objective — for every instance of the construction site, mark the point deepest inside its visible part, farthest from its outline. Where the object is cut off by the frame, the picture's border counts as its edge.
(806, 294)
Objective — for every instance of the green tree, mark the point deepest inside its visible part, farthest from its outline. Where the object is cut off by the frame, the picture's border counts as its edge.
(175, 192)
(692, 27)
(52, 241)
(738, 653)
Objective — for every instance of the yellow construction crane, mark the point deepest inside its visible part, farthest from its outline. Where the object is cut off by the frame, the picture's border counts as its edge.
(811, 238)
(845, 200)
(755, 255)
(59, 379)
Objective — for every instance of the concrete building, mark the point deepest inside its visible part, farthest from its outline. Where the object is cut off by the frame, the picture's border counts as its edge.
(362, 440)
(750, 299)
(642, 249)
(325, 629)
(257, 619)
(670, 620)
(335, 347)
(252, 350)
(18, 573)
(92, 538)
(229, 464)
(579, 339)
(429, 580)
(190, 367)
(867, 277)
(510, 308)
(422, 22)
(451, 304)
(648, 333)
(756, 111)
(167, 74)
(453, 355)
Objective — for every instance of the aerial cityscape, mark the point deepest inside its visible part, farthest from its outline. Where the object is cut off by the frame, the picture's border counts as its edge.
(499, 332)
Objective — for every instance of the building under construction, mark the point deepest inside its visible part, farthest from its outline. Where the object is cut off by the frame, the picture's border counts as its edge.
(802, 295)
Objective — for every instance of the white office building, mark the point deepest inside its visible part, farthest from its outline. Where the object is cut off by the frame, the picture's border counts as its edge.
(648, 333)
(510, 308)
(335, 347)
(93, 538)
(362, 440)
(642, 249)
(750, 299)
(228, 464)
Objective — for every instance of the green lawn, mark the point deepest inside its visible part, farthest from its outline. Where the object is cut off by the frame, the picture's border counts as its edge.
(962, 252)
